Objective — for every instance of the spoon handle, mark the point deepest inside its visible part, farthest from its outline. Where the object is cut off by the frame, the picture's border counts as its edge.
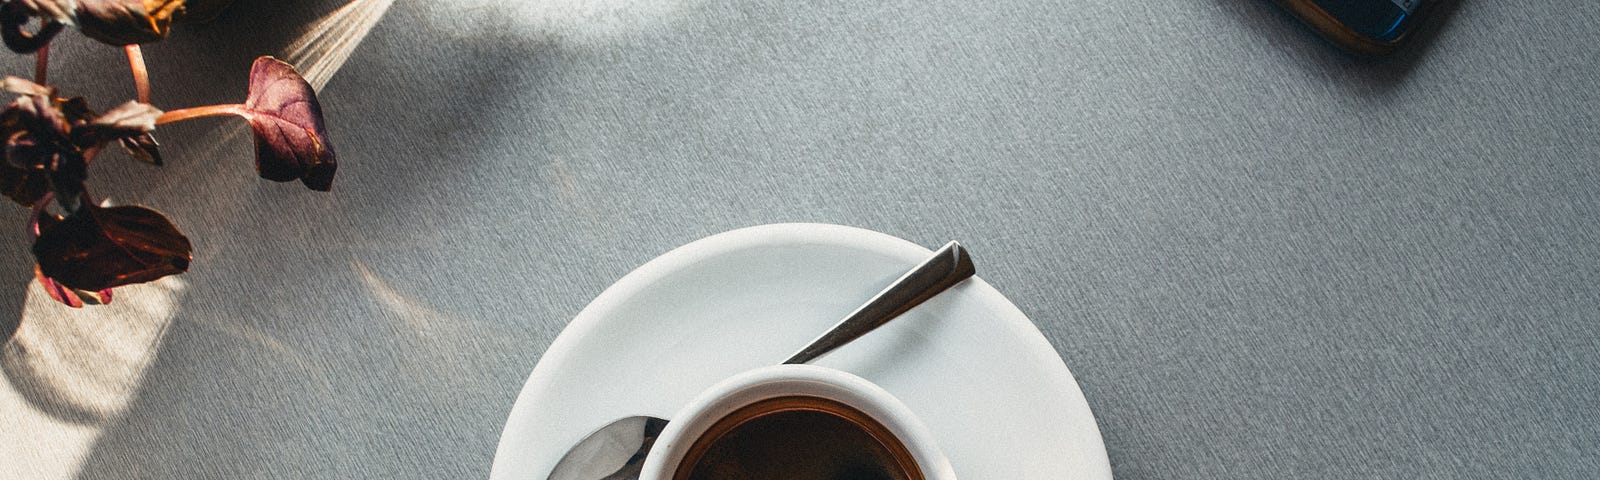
(947, 267)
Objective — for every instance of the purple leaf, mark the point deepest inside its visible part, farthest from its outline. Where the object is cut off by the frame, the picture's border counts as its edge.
(291, 141)
(100, 248)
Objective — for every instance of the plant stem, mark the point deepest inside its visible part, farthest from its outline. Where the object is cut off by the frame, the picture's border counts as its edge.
(41, 64)
(141, 75)
(201, 112)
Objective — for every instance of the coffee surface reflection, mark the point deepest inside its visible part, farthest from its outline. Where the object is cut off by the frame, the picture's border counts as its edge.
(797, 438)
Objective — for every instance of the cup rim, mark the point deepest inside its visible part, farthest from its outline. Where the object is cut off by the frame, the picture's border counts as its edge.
(789, 380)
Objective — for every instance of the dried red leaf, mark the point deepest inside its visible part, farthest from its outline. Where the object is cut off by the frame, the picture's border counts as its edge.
(291, 140)
(99, 248)
(115, 22)
(131, 119)
(126, 22)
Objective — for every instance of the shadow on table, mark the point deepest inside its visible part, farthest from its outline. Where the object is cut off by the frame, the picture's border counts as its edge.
(1274, 25)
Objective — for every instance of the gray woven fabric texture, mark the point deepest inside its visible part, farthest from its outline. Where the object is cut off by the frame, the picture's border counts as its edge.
(1261, 258)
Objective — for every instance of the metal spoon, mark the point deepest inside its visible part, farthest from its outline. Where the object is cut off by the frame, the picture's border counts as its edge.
(617, 450)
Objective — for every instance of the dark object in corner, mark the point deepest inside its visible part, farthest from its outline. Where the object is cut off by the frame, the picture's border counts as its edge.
(1367, 27)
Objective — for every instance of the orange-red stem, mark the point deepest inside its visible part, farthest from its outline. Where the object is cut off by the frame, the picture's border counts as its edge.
(202, 112)
(141, 75)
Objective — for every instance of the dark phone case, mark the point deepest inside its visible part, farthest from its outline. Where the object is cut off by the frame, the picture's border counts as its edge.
(1367, 27)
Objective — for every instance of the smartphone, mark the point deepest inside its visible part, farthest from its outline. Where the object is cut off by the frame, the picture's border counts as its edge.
(1368, 27)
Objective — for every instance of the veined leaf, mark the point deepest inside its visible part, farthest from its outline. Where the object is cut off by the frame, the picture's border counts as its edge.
(291, 140)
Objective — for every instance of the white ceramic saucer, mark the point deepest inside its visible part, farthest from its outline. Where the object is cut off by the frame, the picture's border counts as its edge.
(987, 384)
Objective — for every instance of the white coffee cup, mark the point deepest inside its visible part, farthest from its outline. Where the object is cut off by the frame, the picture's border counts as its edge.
(765, 383)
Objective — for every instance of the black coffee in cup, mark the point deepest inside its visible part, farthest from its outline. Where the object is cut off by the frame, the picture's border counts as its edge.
(797, 438)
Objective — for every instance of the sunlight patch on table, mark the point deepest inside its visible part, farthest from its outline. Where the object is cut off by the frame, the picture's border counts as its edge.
(327, 44)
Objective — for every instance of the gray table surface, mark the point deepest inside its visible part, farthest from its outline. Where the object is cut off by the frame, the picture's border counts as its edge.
(1262, 258)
